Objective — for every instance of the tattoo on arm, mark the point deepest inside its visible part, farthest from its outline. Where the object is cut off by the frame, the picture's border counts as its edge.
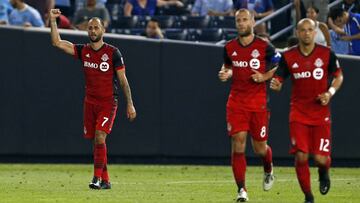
(126, 89)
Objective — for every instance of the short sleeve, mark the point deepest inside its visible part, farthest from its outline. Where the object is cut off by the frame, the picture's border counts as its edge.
(118, 61)
(227, 60)
(77, 50)
(355, 15)
(36, 19)
(282, 71)
(228, 5)
(334, 68)
(269, 5)
(132, 2)
(196, 7)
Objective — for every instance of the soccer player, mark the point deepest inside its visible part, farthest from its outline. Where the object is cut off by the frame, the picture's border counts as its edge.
(246, 60)
(101, 64)
(310, 66)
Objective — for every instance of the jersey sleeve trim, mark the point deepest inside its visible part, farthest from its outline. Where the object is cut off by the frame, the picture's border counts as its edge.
(118, 61)
(334, 65)
(120, 68)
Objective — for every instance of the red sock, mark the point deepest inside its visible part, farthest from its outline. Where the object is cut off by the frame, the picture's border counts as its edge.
(238, 162)
(267, 160)
(99, 159)
(105, 174)
(303, 175)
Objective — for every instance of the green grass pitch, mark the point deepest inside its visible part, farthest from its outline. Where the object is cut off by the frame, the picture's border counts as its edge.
(65, 183)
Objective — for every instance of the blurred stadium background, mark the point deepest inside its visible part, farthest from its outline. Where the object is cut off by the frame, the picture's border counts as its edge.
(180, 104)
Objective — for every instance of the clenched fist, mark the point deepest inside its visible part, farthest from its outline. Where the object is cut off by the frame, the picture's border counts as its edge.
(54, 13)
(225, 74)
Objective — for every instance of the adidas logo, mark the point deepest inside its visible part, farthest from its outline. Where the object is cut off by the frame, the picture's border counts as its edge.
(295, 65)
(87, 55)
(234, 53)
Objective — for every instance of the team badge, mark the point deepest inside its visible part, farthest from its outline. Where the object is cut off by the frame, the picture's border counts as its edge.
(255, 53)
(318, 63)
(104, 66)
(255, 63)
(105, 57)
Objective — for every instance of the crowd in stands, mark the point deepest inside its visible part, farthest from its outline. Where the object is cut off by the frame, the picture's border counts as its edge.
(195, 20)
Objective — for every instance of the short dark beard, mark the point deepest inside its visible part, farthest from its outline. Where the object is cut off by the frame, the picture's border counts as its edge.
(245, 34)
(96, 39)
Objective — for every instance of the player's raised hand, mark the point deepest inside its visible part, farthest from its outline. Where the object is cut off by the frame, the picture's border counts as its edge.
(257, 76)
(275, 84)
(54, 13)
(225, 74)
(131, 112)
(324, 98)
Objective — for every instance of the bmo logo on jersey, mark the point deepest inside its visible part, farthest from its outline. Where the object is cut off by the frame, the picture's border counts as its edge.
(90, 65)
(240, 64)
(254, 63)
(104, 66)
(317, 74)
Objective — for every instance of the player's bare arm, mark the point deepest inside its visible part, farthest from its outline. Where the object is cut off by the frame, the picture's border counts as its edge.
(260, 78)
(325, 97)
(225, 73)
(64, 45)
(131, 112)
(275, 84)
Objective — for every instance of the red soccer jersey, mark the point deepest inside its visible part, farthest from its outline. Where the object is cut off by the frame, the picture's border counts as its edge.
(100, 68)
(246, 94)
(310, 77)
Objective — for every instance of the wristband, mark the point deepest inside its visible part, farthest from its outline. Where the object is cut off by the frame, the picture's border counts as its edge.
(332, 91)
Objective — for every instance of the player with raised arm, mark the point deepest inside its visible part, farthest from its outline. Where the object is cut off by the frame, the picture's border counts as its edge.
(102, 64)
(310, 66)
(247, 60)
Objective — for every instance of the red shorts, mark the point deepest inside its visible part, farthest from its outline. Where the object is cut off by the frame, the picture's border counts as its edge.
(310, 139)
(98, 117)
(256, 123)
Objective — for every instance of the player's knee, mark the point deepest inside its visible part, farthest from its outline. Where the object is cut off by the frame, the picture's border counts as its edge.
(301, 157)
(100, 137)
(320, 160)
(260, 149)
(239, 142)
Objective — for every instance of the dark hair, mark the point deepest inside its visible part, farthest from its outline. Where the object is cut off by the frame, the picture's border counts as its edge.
(292, 41)
(99, 19)
(336, 13)
(315, 8)
(154, 20)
